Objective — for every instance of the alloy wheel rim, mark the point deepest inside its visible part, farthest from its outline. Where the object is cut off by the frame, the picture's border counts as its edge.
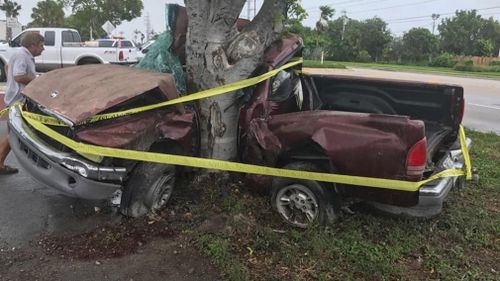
(297, 205)
(162, 191)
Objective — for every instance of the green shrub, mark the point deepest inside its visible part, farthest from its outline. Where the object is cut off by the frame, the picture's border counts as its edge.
(468, 63)
(495, 63)
(363, 56)
(463, 67)
(443, 60)
(476, 68)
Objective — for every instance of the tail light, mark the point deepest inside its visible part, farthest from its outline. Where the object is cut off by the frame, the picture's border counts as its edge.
(417, 158)
(120, 56)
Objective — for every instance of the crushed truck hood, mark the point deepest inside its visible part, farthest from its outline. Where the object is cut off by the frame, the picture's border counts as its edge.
(77, 93)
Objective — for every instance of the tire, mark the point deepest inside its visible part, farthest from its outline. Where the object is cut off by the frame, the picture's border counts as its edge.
(3, 75)
(302, 203)
(148, 190)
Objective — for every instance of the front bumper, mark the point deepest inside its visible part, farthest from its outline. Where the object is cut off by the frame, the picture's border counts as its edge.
(432, 195)
(66, 172)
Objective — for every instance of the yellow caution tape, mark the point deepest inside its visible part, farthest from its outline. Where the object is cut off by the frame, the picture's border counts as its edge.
(465, 152)
(3, 111)
(238, 167)
(47, 120)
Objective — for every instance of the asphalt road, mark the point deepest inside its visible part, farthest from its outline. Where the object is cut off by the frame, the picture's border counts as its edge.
(28, 208)
(482, 96)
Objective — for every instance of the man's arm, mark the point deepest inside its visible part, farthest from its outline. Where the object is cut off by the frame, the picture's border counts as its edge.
(23, 79)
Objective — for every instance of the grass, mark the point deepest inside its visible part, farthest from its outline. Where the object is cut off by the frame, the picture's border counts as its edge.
(325, 64)
(462, 243)
(404, 68)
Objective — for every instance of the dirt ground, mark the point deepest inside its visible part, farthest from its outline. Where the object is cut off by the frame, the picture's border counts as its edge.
(159, 259)
(152, 248)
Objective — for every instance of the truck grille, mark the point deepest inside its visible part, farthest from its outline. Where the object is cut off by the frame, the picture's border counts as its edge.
(66, 131)
(40, 162)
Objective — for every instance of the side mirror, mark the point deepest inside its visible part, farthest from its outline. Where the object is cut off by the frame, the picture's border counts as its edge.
(10, 43)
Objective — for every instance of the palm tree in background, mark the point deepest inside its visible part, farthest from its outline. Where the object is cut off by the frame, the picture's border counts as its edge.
(11, 8)
(327, 13)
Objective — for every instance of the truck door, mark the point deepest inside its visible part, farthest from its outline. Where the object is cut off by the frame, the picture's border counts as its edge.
(50, 56)
(71, 47)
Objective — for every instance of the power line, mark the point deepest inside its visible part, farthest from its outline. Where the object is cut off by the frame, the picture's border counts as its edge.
(348, 6)
(331, 4)
(396, 6)
(426, 18)
(442, 14)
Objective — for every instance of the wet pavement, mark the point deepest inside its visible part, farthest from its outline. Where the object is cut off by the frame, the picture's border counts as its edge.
(28, 208)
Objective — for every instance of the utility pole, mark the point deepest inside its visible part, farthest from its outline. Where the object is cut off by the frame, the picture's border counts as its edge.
(251, 9)
(147, 21)
(434, 18)
(344, 23)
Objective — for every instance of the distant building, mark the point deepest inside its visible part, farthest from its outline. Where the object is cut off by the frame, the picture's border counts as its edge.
(10, 26)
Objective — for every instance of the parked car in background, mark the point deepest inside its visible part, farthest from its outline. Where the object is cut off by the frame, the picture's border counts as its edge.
(64, 47)
(142, 51)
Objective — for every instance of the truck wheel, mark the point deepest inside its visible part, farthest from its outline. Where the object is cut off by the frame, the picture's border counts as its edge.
(3, 75)
(301, 202)
(148, 190)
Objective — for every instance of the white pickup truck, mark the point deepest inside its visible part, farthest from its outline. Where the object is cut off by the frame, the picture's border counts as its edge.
(64, 47)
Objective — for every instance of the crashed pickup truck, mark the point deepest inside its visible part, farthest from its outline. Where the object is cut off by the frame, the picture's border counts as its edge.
(378, 128)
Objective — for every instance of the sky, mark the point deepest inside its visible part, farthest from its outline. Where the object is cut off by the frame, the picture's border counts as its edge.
(401, 15)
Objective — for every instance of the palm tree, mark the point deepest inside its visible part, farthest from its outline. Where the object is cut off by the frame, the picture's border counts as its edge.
(326, 14)
(11, 8)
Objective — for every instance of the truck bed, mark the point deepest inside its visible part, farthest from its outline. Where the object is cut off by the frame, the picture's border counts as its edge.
(438, 105)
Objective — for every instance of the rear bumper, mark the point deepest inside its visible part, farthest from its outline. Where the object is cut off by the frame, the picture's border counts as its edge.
(432, 195)
(66, 172)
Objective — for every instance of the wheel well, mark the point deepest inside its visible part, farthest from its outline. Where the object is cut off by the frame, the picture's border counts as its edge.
(310, 152)
(88, 60)
(167, 146)
(3, 75)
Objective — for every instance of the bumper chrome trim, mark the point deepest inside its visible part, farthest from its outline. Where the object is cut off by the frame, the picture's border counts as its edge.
(61, 170)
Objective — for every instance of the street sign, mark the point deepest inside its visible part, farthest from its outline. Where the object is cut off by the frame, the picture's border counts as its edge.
(108, 27)
(11, 22)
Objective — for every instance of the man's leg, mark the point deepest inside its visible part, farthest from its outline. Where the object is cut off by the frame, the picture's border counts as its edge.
(4, 150)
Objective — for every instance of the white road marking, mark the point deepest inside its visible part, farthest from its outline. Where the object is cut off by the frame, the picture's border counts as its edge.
(486, 106)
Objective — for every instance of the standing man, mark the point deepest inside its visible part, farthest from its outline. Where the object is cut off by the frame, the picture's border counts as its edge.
(21, 71)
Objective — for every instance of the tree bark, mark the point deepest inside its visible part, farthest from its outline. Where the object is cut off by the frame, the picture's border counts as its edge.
(217, 54)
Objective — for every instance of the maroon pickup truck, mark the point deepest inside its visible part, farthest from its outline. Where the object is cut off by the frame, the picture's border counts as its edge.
(335, 124)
